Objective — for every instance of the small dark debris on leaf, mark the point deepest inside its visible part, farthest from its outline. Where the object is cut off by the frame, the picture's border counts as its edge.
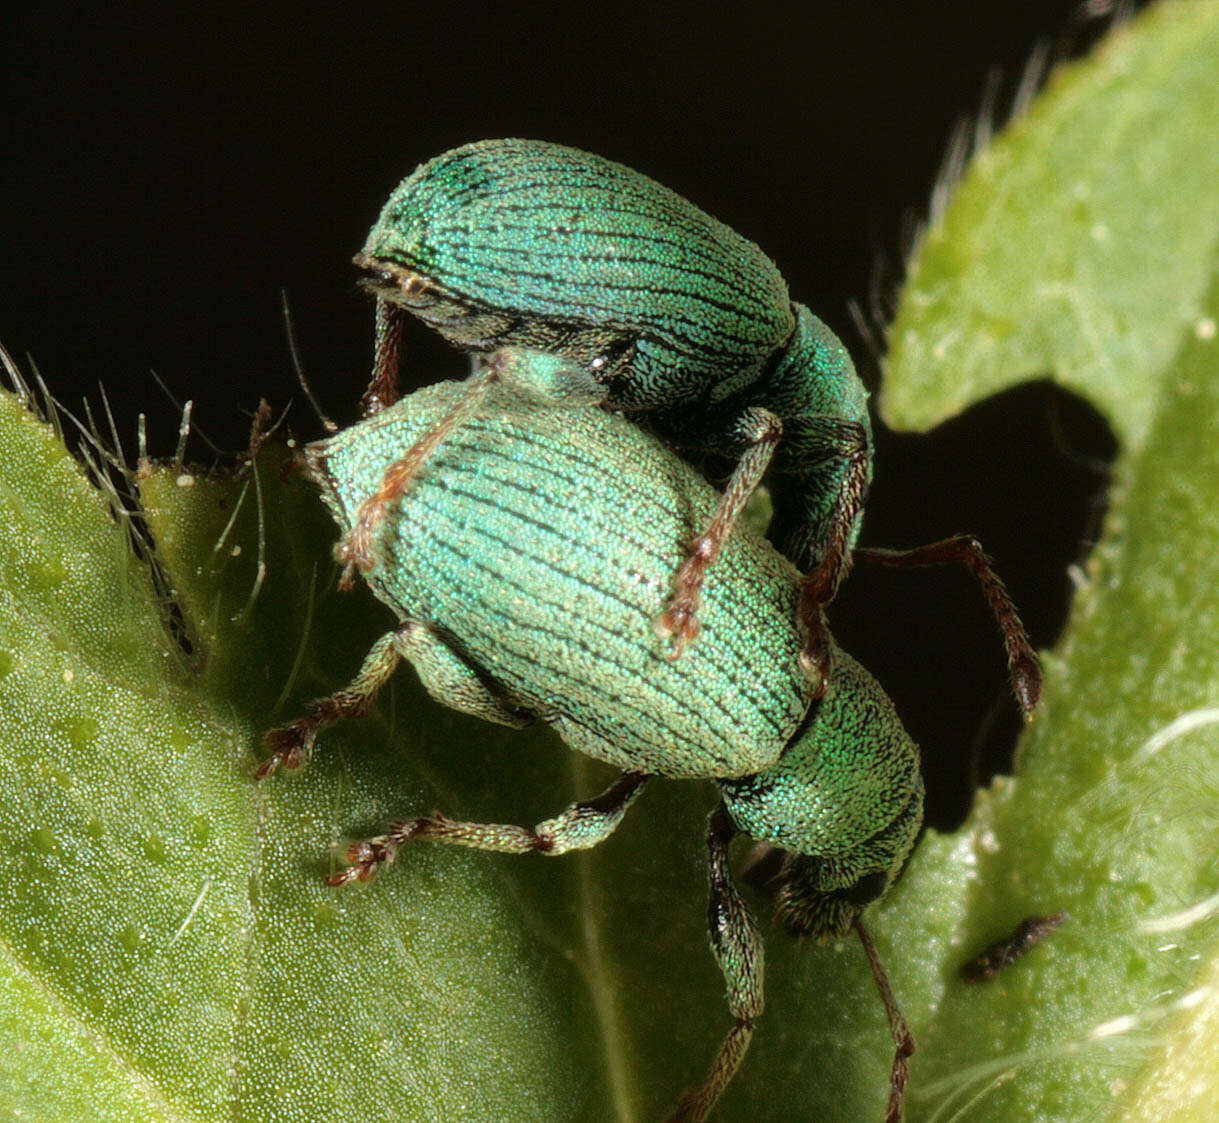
(1028, 933)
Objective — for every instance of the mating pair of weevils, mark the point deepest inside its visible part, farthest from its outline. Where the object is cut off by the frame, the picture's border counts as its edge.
(548, 560)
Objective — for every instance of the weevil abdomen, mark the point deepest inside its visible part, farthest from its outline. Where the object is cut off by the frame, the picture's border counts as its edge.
(526, 243)
(545, 537)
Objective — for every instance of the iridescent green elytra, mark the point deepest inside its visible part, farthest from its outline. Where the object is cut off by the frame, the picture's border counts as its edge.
(668, 315)
(671, 314)
(525, 565)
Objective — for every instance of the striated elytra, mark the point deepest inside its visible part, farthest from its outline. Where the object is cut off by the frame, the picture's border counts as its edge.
(663, 313)
(673, 316)
(524, 565)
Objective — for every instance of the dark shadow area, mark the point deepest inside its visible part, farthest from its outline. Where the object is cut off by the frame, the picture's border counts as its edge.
(167, 178)
(1026, 472)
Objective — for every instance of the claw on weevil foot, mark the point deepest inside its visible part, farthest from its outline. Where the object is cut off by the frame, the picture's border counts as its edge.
(679, 623)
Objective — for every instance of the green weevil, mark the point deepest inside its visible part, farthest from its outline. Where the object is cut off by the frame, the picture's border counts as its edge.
(523, 567)
(669, 316)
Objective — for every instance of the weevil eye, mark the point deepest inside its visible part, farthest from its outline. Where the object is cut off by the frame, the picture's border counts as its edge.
(374, 281)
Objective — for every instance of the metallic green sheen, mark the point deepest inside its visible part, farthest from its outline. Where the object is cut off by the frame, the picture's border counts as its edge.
(852, 772)
(525, 243)
(538, 542)
(544, 541)
(582, 255)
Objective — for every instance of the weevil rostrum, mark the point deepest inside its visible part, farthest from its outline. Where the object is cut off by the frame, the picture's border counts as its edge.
(523, 566)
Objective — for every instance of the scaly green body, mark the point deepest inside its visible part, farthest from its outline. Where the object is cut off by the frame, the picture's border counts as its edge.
(543, 540)
(524, 243)
(590, 259)
(536, 545)
(525, 564)
(657, 310)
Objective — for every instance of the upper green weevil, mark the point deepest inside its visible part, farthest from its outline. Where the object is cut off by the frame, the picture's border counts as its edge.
(669, 316)
(523, 567)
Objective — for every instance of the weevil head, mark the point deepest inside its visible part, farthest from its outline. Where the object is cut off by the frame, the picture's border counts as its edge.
(403, 251)
(822, 896)
(845, 801)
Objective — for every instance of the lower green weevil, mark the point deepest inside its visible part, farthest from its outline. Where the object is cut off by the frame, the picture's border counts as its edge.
(523, 566)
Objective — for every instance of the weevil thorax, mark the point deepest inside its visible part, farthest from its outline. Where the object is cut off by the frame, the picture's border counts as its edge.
(814, 376)
(813, 382)
(851, 774)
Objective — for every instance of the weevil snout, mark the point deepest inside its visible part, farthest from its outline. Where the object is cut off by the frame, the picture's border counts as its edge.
(806, 909)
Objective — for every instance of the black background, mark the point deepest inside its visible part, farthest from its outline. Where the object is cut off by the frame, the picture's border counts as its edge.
(168, 172)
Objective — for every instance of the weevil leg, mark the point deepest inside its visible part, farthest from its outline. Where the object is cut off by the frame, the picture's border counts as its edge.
(737, 946)
(530, 374)
(451, 680)
(841, 449)
(292, 743)
(383, 386)
(579, 827)
(1022, 662)
(355, 550)
(761, 431)
(443, 673)
(903, 1039)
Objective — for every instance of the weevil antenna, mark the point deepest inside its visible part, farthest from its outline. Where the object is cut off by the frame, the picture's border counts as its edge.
(902, 1037)
(298, 365)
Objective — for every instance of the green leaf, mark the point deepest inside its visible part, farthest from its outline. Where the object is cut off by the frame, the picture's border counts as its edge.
(1080, 244)
(1084, 246)
(170, 950)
